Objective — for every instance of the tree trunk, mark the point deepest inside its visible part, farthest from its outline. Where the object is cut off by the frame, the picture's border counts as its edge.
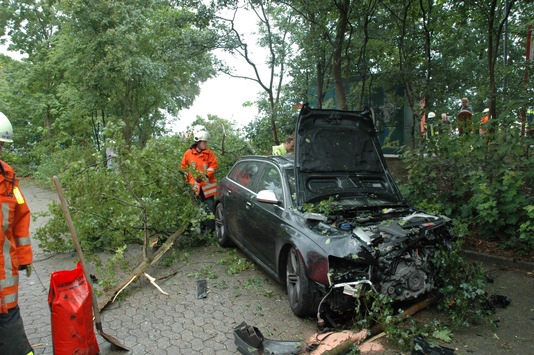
(338, 50)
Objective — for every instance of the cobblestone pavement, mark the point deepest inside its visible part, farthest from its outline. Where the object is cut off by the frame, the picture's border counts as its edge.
(149, 322)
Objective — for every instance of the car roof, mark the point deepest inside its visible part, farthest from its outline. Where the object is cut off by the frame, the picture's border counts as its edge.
(283, 161)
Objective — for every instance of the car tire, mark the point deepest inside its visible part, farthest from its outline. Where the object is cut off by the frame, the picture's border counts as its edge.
(221, 230)
(300, 291)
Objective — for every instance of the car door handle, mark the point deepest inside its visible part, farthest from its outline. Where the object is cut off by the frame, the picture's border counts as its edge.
(248, 205)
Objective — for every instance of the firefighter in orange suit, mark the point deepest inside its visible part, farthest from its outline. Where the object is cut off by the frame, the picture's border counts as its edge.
(15, 253)
(202, 164)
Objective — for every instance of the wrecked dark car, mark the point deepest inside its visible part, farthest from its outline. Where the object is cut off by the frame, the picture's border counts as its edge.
(329, 221)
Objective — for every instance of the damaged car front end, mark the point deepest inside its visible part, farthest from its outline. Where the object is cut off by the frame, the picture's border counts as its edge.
(394, 257)
(392, 247)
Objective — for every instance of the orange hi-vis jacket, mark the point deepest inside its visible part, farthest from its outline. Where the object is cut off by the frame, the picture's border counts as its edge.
(206, 163)
(15, 243)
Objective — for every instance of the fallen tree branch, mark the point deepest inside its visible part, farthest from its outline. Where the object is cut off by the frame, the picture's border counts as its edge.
(379, 327)
(363, 336)
(140, 269)
(123, 287)
(153, 282)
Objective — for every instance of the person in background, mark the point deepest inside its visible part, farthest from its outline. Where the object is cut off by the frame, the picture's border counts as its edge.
(530, 122)
(201, 163)
(445, 125)
(15, 253)
(286, 147)
(111, 157)
(431, 125)
(483, 121)
(465, 123)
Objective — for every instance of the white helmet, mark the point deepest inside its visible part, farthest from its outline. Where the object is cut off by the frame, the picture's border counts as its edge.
(431, 115)
(202, 136)
(6, 129)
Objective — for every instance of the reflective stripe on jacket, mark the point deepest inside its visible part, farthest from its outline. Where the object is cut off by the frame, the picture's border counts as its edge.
(15, 243)
(206, 163)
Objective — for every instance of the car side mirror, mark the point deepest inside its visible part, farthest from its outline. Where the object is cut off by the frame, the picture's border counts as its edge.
(267, 196)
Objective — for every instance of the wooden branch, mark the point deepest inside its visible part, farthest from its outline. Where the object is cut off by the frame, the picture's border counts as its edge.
(122, 288)
(140, 268)
(153, 282)
(378, 328)
(346, 345)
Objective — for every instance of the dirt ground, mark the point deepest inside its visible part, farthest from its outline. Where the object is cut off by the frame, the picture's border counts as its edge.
(511, 330)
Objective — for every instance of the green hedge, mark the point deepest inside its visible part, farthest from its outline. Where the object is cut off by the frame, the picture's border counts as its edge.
(483, 182)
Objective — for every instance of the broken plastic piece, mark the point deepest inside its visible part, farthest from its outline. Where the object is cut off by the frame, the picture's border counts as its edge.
(422, 346)
(500, 301)
(202, 288)
(250, 341)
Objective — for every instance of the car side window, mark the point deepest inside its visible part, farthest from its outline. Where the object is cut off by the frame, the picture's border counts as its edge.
(271, 180)
(243, 173)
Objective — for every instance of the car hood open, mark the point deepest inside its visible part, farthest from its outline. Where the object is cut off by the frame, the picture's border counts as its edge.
(338, 153)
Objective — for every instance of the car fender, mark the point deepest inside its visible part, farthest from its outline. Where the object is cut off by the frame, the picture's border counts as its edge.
(315, 258)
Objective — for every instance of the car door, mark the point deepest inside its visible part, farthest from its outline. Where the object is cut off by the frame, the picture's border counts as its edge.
(263, 224)
(237, 193)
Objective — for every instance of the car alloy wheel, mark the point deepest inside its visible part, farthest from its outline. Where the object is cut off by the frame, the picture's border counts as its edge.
(300, 292)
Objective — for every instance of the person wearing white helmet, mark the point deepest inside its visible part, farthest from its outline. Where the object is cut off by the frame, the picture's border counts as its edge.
(15, 252)
(432, 125)
(200, 164)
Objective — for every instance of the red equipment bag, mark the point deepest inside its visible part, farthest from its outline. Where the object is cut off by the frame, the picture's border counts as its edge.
(70, 303)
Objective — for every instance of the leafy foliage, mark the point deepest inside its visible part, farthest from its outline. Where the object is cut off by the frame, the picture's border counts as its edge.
(234, 263)
(526, 230)
(146, 196)
(461, 298)
(462, 293)
(324, 207)
(479, 181)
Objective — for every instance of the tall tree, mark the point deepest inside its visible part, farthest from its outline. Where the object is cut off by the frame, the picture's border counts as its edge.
(274, 23)
(100, 61)
(496, 14)
(144, 57)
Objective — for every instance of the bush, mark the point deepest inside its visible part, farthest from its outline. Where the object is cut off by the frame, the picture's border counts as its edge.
(145, 196)
(484, 183)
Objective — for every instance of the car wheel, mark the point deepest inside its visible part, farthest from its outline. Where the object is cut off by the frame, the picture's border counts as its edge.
(300, 291)
(221, 232)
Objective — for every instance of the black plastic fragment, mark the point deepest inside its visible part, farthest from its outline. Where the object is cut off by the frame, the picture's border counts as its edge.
(422, 346)
(250, 341)
(202, 288)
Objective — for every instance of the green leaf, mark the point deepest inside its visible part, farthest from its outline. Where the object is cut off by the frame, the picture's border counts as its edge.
(443, 335)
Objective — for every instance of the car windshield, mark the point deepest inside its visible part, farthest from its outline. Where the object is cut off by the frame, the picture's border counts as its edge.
(353, 200)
